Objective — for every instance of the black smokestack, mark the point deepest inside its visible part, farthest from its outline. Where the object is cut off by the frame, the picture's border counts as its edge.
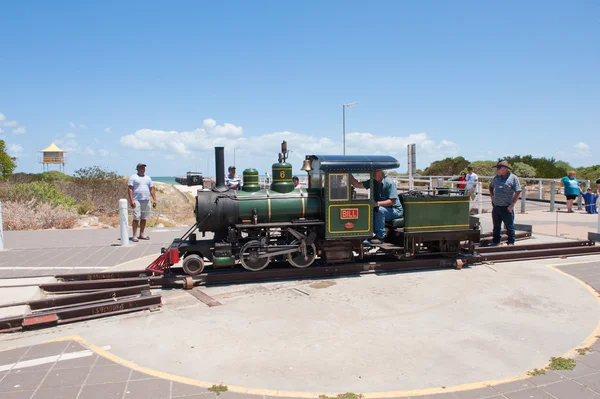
(220, 169)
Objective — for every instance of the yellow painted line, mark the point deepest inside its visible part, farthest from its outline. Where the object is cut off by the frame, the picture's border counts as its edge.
(67, 338)
(348, 231)
(429, 227)
(436, 202)
(298, 394)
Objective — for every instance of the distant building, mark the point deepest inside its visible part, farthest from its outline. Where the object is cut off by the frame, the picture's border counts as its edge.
(52, 156)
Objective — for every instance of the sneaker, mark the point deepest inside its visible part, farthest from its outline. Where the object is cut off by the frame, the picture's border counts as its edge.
(376, 241)
(493, 244)
(510, 243)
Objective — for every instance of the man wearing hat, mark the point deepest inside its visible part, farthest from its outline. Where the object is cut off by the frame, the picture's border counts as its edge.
(140, 190)
(504, 192)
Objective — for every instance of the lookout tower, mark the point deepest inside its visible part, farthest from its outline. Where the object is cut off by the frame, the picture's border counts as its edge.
(53, 156)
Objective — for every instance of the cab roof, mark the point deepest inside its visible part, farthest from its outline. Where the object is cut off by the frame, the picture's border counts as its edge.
(355, 163)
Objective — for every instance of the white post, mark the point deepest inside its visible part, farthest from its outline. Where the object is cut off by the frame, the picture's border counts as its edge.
(1, 230)
(523, 198)
(540, 189)
(479, 198)
(552, 194)
(124, 225)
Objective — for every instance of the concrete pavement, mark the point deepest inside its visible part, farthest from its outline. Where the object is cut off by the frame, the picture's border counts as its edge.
(472, 333)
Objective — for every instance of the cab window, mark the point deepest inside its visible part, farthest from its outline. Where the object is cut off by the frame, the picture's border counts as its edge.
(338, 187)
(361, 193)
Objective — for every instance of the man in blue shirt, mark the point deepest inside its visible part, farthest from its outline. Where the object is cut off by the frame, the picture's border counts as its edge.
(387, 202)
(504, 192)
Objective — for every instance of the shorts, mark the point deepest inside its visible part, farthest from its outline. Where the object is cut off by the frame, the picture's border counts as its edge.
(471, 193)
(571, 196)
(141, 210)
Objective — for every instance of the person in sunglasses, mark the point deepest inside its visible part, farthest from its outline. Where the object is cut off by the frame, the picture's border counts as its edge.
(504, 192)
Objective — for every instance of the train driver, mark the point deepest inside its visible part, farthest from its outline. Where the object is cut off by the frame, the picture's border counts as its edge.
(232, 181)
(385, 195)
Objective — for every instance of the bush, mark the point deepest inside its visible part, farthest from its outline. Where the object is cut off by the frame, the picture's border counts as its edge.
(33, 215)
(40, 192)
(54, 175)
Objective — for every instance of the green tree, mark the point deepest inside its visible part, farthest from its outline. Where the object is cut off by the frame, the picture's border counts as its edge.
(7, 163)
(96, 172)
(564, 165)
(523, 170)
(484, 168)
(545, 167)
(447, 166)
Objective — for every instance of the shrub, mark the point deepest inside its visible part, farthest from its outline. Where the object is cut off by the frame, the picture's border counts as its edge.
(54, 175)
(34, 215)
(40, 192)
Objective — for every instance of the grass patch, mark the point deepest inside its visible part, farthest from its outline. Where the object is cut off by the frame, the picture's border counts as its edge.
(536, 372)
(218, 389)
(347, 395)
(583, 351)
(561, 363)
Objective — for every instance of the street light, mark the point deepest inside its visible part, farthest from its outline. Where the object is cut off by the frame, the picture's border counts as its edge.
(344, 106)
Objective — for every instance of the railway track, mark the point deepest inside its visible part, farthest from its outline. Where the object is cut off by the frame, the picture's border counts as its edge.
(85, 296)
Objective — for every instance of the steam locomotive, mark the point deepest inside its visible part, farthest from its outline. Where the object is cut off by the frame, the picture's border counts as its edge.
(326, 222)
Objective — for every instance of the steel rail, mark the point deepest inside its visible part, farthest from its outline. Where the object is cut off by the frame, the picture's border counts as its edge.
(528, 247)
(77, 313)
(508, 256)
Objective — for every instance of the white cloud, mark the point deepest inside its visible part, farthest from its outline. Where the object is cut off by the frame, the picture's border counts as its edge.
(183, 143)
(2, 117)
(105, 153)
(19, 130)
(89, 151)
(67, 142)
(107, 130)
(14, 149)
(96, 141)
(82, 126)
(1, 131)
(11, 124)
(72, 125)
(582, 149)
(70, 136)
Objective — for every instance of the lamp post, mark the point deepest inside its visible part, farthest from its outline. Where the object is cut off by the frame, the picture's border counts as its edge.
(344, 106)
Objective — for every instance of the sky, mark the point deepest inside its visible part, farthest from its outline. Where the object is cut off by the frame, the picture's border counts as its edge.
(115, 83)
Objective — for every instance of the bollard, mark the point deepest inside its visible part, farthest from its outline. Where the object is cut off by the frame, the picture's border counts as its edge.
(124, 222)
(479, 196)
(579, 198)
(1, 230)
(552, 195)
(540, 190)
(523, 198)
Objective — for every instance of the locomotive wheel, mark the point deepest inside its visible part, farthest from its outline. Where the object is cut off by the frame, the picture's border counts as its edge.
(296, 259)
(450, 249)
(193, 265)
(249, 257)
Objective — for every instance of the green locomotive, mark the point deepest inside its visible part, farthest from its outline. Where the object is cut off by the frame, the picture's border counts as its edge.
(328, 221)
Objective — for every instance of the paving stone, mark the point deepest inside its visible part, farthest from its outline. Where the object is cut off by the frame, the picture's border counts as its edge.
(136, 375)
(57, 393)
(532, 393)
(37, 367)
(74, 346)
(12, 354)
(112, 373)
(235, 395)
(148, 389)
(547, 378)
(579, 371)
(480, 393)
(86, 361)
(102, 361)
(68, 377)
(590, 381)
(513, 386)
(113, 390)
(570, 390)
(445, 395)
(185, 390)
(591, 359)
(21, 381)
(44, 350)
(17, 395)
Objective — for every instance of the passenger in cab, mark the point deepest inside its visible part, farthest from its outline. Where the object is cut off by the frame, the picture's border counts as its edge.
(386, 199)
(296, 182)
(232, 181)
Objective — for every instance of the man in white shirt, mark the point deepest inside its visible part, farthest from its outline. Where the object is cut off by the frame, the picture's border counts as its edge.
(472, 180)
(140, 189)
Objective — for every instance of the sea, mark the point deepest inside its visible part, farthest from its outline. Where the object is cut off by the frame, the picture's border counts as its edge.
(164, 179)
